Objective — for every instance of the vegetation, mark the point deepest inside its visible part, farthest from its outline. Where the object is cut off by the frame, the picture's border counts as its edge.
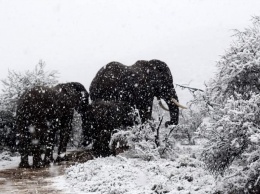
(233, 149)
(226, 113)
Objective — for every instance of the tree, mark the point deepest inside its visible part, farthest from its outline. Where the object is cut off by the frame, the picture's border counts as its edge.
(233, 150)
(16, 83)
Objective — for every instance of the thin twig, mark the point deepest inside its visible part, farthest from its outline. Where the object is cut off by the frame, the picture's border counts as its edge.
(166, 139)
(190, 88)
(157, 142)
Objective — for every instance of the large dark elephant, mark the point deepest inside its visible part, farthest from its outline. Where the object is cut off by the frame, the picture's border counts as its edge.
(102, 117)
(41, 112)
(138, 85)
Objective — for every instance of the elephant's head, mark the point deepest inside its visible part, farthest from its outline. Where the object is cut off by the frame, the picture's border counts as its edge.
(161, 83)
(72, 95)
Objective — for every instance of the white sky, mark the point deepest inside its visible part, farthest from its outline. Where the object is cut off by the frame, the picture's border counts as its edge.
(78, 37)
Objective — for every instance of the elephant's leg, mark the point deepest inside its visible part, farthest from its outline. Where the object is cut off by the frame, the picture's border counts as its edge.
(49, 153)
(101, 144)
(48, 158)
(24, 150)
(49, 146)
(64, 139)
(24, 161)
(87, 131)
(174, 113)
(37, 160)
(145, 110)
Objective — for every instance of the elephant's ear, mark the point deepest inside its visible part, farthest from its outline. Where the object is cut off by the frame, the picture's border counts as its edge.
(63, 95)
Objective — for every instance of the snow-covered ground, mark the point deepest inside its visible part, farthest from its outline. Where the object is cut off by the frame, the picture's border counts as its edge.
(7, 161)
(125, 174)
(121, 174)
(130, 173)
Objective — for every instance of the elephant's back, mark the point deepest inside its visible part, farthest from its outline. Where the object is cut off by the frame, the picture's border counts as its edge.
(109, 81)
(35, 101)
(70, 95)
(149, 66)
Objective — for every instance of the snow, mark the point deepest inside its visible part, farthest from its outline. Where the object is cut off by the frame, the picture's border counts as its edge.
(255, 138)
(7, 161)
(130, 173)
(121, 174)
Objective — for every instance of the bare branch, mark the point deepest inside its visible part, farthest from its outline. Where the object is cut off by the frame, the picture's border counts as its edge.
(190, 88)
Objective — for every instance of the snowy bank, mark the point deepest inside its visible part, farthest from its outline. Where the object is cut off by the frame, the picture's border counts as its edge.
(8, 160)
(116, 175)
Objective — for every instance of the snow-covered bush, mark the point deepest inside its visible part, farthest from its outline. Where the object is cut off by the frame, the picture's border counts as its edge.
(120, 175)
(5, 155)
(16, 83)
(189, 120)
(192, 119)
(239, 68)
(152, 140)
(234, 130)
(148, 141)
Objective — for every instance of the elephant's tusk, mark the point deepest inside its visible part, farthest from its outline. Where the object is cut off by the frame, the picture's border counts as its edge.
(162, 106)
(178, 104)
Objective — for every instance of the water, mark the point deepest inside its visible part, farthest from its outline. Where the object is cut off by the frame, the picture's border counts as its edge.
(34, 181)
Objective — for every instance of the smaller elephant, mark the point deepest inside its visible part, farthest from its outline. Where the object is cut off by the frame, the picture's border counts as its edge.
(101, 119)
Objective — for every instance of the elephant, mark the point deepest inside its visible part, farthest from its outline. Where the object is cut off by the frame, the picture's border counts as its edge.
(102, 117)
(71, 96)
(33, 124)
(41, 112)
(138, 85)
